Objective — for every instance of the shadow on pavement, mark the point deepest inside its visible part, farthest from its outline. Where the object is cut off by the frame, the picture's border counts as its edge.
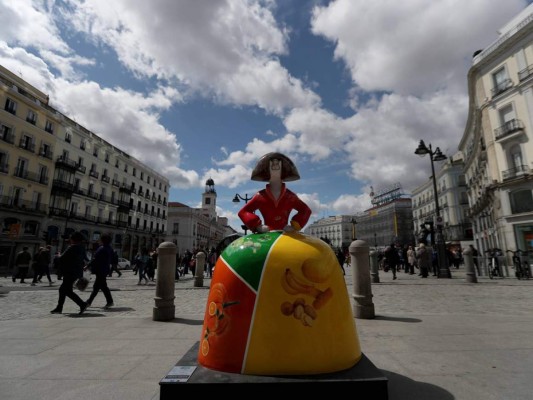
(397, 319)
(119, 309)
(84, 315)
(188, 321)
(401, 387)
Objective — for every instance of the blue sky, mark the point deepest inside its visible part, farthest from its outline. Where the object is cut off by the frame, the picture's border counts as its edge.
(202, 89)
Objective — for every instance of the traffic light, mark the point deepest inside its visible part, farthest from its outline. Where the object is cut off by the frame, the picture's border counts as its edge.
(45, 237)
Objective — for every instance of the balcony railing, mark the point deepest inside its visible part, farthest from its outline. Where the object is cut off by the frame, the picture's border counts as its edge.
(46, 152)
(94, 174)
(510, 127)
(31, 176)
(81, 168)
(23, 205)
(525, 73)
(65, 162)
(516, 171)
(501, 87)
(125, 189)
(115, 183)
(106, 179)
(62, 185)
(27, 145)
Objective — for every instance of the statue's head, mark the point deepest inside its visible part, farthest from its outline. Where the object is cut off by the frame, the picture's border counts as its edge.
(275, 163)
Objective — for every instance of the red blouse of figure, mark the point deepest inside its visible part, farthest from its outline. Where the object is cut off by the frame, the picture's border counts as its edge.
(275, 212)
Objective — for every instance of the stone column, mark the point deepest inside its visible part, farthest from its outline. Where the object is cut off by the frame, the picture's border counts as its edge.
(374, 266)
(199, 272)
(469, 265)
(164, 309)
(362, 290)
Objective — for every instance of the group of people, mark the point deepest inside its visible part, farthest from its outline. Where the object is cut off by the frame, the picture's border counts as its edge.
(144, 265)
(38, 264)
(73, 263)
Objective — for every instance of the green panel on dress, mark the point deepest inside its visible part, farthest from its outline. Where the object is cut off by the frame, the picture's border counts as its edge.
(247, 255)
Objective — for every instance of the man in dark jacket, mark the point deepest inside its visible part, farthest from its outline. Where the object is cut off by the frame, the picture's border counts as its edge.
(22, 265)
(72, 262)
(114, 265)
(100, 265)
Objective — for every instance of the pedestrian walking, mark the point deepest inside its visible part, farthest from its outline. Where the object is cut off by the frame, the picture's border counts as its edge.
(22, 265)
(142, 260)
(42, 266)
(72, 262)
(114, 265)
(100, 266)
(391, 259)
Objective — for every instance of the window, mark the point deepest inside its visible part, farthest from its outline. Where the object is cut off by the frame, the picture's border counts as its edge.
(49, 127)
(142, 176)
(3, 164)
(521, 201)
(87, 211)
(6, 134)
(68, 137)
(22, 165)
(31, 117)
(11, 106)
(80, 161)
(82, 144)
(95, 152)
(106, 157)
(26, 142)
(208, 200)
(134, 172)
(147, 179)
(117, 163)
(110, 216)
(46, 150)
(500, 81)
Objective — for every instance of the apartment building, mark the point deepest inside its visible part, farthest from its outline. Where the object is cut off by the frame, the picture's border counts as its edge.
(453, 203)
(497, 144)
(57, 176)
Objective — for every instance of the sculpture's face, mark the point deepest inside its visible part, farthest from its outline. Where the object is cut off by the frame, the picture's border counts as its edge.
(275, 169)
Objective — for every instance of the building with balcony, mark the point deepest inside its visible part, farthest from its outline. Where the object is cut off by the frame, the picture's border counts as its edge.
(453, 203)
(497, 143)
(57, 176)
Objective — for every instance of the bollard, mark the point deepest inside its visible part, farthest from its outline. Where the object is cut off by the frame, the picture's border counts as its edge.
(164, 309)
(374, 266)
(362, 290)
(199, 273)
(469, 265)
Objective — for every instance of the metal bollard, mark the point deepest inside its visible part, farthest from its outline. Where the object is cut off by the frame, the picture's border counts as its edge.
(374, 266)
(469, 265)
(164, 309)
(362, 290)
(199, 273)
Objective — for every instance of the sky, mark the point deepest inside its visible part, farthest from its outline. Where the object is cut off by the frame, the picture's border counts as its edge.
(201, 89)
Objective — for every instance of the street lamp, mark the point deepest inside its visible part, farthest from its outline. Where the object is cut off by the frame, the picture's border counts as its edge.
(422, 150)
(354, 222)
(246, 199)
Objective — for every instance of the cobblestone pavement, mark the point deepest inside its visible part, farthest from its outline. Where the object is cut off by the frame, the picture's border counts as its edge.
(438, 339)
(408, 294)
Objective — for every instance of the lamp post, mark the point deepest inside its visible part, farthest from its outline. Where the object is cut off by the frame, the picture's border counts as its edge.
(375, 240)
(246, 199)
(422, 150)
(354, 222)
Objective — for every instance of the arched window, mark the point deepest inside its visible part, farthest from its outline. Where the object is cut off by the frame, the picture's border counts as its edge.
(521, 201)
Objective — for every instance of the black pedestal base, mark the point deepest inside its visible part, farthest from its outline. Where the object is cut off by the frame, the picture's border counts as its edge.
(189, 377)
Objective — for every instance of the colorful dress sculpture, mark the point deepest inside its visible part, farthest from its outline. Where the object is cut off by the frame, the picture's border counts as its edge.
(278, 303)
